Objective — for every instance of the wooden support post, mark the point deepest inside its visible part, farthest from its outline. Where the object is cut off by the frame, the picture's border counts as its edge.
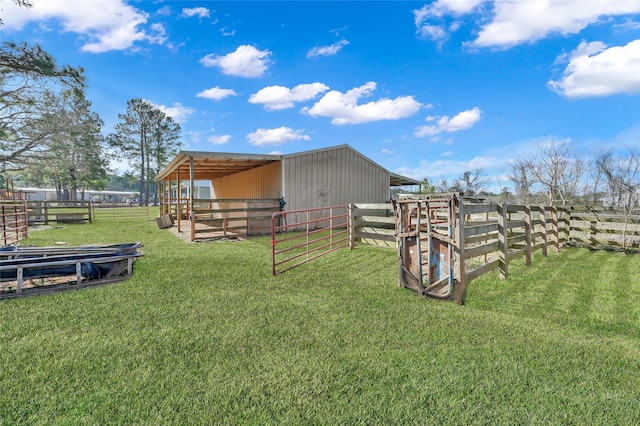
(178, 197)
(566, 224)
(527, 232)
(160, 186)
(486, 255)
(554, 224)
(192, 213)
(351, 226)
(543, 219)
(169, 196)
(4, 228)
(90, 211)
(460, 289)
(503, 241)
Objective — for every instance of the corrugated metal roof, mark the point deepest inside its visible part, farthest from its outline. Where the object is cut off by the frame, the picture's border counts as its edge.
(399, 180)
(212, 165)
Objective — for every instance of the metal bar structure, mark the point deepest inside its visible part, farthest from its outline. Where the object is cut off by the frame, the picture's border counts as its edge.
(90, 265)
(428, 241)
(14, 225)
(305, 235)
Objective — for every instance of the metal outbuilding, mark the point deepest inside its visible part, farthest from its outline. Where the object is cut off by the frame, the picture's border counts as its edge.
(325, 177)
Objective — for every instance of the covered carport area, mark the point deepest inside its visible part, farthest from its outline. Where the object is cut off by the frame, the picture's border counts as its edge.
(212, 194)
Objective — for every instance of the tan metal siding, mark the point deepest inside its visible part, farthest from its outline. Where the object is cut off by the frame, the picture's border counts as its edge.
(340, 174)
(259, 183)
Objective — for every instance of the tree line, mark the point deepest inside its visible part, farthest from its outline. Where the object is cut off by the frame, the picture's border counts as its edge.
(51, 136)
(557, 173)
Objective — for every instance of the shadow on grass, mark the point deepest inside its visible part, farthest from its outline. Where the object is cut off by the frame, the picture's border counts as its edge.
(597, 292)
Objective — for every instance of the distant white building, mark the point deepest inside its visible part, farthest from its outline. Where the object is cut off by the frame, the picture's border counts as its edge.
(50, 194)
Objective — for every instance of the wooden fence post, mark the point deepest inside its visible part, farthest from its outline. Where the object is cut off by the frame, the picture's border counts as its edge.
(543, 219)
(191, 209)
(527, 233)
(4, 228)
(351, 226)
(89, 207)
(567, 224)
(554, 225)
(503, 241)
(460, 290)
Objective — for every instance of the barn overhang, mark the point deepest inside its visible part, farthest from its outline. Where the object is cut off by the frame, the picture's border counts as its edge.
(399, 180)
(212, 165)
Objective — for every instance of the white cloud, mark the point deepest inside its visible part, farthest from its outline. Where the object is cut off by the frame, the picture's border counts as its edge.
(178, 112)
(327, 50)
(115, 25)
(226, 32)
(343, 108)
(245, 61)
(216, 93)
(219, 139)
(430, 19)
(516, 22)
(280, 97)
(165, 10)
(461, 121)
(595, 70)
(388, 151)
(508, 23)
(278, 136)
(200, 12)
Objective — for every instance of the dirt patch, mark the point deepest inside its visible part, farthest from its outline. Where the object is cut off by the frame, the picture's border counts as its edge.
(203, 235)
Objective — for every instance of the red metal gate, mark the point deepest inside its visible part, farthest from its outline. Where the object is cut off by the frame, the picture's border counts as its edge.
(299, 236)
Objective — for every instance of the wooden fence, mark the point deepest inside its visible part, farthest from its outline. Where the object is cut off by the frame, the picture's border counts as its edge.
(213, 218)
(14, 225)
(603, 227)
(495, 235)
(492, 236)
(45, 212)
(372, 224)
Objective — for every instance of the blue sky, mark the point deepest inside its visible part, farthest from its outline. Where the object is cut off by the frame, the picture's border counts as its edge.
(426, 89)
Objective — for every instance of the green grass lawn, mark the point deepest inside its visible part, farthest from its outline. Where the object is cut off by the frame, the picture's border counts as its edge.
(203, 334)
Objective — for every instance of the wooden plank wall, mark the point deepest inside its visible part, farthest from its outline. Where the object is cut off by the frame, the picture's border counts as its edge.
(233, 217)
(372, 224)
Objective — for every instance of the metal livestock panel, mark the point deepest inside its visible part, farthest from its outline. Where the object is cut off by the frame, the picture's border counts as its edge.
(332, 177)
(259, 183)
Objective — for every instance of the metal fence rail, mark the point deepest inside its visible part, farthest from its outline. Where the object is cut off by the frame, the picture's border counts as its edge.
(121, 211)
(300, 236)
(13, 222)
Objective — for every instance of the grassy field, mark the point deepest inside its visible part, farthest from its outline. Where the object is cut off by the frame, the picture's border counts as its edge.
(203, 334)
